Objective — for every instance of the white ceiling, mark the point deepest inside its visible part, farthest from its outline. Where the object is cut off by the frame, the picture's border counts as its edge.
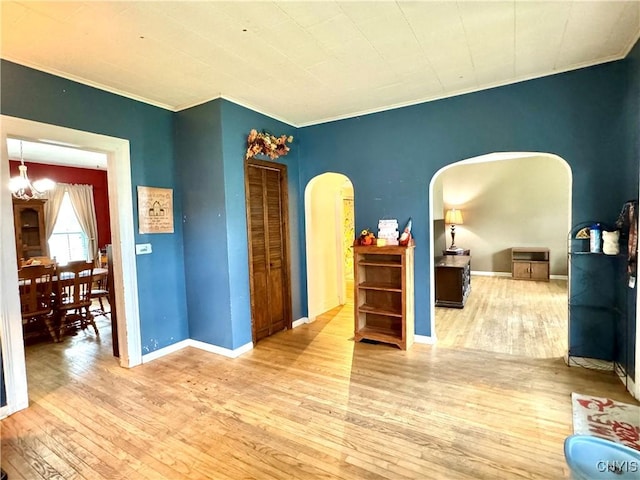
(43, 151)
(309, 62)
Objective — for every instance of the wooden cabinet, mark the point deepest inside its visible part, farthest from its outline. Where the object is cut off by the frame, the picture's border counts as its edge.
(384, 298)
(28, 218)
(530, 263)
(453, 280)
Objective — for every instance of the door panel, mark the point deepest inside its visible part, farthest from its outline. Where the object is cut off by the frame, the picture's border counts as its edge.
(261, 320)
(521, 270)
(276, 301)
(540, 271)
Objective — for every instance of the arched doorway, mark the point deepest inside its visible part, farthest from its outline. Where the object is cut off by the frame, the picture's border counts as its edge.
(329, 227)
(508, 199)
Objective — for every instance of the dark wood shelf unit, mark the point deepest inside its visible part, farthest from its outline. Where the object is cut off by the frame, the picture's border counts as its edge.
(31, 239)
(384, 304)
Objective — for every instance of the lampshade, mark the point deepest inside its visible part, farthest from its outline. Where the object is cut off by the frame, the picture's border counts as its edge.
(453, 217)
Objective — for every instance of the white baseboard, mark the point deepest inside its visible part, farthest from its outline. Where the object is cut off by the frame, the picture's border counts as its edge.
(5, 412)
(633, 388)
(165, 351)
(301, 321)
(490, 274)
(221, 350)
(424, 339)
(627, 380)
(508, 274)
(559, 277)
(200, 345)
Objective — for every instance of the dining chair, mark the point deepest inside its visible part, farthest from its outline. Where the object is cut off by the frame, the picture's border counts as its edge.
(73, 296)
(35, 284)
(37, 260)
(99, 291)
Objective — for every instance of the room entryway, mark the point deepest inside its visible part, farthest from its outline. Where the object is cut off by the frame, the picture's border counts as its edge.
(330, 232)
(507, 200)
(125, 276)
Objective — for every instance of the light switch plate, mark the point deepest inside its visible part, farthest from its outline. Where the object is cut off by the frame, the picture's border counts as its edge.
(143, 248)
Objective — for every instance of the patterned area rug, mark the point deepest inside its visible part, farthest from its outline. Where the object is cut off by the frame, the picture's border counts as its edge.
(606, 418)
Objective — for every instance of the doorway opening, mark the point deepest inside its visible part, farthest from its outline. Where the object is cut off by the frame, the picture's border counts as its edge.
(330, 232)
(507, 200)
(122, 237)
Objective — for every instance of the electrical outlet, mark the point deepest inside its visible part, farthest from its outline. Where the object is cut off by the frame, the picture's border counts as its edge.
(143, 248)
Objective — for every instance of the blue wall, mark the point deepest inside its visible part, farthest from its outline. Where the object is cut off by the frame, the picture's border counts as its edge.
(210, 145)
(201, 175)
(631, 124)
(237, 122)
(38, 96)
(391, 156)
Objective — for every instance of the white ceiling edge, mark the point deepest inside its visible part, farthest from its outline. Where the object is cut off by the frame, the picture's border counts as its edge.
(258, 110)
(460, 92)
(241, 103)
(121, 93)
(84, 81)
(48, 152)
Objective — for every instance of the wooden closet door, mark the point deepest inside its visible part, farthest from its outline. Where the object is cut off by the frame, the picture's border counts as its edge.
(268, 252)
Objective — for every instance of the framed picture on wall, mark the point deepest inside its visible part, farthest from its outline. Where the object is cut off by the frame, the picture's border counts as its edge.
(155, 210)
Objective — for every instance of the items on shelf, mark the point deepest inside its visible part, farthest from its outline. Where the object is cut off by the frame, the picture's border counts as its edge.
(388, 231)
(366, 238)
(595, 238)
(611, 242)
(405, 238)
(596, 306)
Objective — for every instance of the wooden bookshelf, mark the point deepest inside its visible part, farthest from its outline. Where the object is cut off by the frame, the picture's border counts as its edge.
(384, 298)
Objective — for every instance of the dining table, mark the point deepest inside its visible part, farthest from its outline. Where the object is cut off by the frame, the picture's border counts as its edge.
(66, 278)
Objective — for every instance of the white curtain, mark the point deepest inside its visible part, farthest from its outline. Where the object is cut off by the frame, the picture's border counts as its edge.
(81, 197)
(51, 210)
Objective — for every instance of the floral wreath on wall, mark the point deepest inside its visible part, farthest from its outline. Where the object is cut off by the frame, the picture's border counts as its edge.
(266, 144)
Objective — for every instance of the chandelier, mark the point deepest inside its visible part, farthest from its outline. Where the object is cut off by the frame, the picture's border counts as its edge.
(22, 188)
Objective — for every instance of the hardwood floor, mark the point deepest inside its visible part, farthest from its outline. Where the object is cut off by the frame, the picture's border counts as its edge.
(307, 403)
(508, 316)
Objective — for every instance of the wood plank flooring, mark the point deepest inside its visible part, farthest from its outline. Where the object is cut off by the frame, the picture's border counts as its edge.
(503, 315)
(307, 403)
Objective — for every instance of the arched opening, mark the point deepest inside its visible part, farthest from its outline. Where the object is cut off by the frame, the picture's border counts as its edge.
(510, 199)
(329, 227)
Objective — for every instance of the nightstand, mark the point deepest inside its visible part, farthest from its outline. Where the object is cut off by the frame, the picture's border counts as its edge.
(453, 280)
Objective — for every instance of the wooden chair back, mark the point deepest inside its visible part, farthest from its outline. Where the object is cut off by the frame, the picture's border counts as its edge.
(35, 286)
(100, 291)
(38, 260)
(74, 285)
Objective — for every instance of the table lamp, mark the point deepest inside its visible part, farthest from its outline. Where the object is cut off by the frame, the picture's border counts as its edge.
(453, 217)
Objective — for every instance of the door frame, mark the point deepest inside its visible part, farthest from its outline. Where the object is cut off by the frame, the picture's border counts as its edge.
(284, 200)
(342, 251)
(486, 158)
(122, 239)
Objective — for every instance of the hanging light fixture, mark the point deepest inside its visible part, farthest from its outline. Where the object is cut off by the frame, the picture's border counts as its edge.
(22, 188)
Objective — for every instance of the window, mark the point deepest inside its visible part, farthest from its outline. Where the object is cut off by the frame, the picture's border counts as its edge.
(68, 242)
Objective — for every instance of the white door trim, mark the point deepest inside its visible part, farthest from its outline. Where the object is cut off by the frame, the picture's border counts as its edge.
(122, 239)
